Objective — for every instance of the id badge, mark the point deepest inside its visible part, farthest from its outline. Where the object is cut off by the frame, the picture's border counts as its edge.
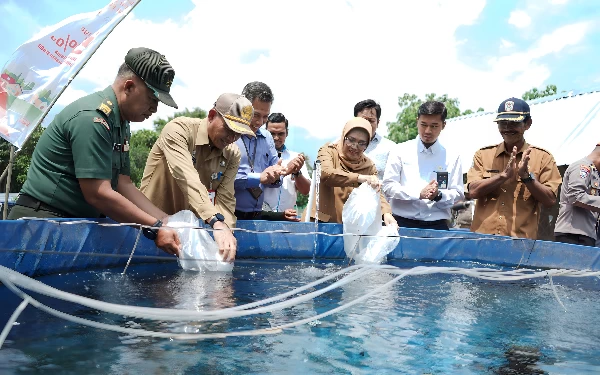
(211, 195)
(442, 180)
(256, 192)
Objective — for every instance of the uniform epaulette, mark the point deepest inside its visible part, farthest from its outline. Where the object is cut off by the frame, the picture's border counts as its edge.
(541, 149)
(106, 107)
(487, 147)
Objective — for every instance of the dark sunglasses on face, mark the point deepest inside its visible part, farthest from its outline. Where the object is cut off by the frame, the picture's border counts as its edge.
(509, 124)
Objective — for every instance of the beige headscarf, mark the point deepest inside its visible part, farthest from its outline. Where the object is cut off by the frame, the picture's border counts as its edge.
(355, 123)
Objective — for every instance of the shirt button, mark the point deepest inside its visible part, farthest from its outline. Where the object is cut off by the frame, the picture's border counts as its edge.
(503, 203)
(500, 217)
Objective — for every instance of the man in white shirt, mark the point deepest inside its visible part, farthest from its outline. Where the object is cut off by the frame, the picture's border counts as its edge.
(379, 147)
(283, 198)
(422, 178)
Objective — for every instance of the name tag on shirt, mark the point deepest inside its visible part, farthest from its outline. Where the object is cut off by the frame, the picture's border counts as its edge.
(211, 195)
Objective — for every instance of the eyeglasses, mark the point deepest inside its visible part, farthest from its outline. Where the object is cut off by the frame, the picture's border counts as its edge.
(354, 142)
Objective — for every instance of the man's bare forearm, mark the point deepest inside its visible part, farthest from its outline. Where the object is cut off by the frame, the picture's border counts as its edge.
(302, 184)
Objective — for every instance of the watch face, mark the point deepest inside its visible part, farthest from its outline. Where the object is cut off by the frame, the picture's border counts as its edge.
(150, 233)
(220, 217)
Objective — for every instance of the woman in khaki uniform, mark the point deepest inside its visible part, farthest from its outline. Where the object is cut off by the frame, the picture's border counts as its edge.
(343, 168)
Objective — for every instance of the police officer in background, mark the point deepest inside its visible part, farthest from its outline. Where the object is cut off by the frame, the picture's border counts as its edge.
(80, 166)
(577, 221)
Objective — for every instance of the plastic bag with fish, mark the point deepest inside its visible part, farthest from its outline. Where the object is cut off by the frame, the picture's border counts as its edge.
(361, 216)
(199, 251)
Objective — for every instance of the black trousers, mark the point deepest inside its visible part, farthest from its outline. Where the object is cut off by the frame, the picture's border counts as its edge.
(421, 224)
(575, 239)
(260, 215)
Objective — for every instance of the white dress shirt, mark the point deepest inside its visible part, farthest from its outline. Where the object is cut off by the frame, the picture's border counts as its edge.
(410, 167)
(378, 151)
(281, 198)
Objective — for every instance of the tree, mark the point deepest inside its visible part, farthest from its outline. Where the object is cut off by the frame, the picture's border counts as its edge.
(20, 162)
(534, 93)
(405, 126)
(140, 145)
(196, 112)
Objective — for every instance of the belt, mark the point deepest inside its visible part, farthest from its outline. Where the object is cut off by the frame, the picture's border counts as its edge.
(241, 215)
(422, 222)
(29, 201)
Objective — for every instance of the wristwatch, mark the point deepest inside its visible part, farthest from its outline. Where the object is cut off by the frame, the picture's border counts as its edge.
(297, 173)
(214, 219)
(438, 197)
(150, 233)
(529, 178)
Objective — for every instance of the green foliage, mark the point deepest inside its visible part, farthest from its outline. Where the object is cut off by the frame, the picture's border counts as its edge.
(196, 112)
(405, 126)
(534, 93)
(140, 145)
(21, 161)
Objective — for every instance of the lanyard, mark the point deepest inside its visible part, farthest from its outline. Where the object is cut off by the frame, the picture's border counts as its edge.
(251, 161)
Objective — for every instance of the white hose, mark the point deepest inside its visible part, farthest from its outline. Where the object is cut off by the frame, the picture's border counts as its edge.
(12, 279)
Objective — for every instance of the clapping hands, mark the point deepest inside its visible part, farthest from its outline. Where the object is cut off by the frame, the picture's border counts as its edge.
(430, 191)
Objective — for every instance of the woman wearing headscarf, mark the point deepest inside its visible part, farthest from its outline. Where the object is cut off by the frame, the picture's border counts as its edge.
(343, 168)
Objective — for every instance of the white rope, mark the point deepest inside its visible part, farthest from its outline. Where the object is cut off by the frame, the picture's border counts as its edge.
(13, 319)
(301, 233)
(132, 251)
(12, 279)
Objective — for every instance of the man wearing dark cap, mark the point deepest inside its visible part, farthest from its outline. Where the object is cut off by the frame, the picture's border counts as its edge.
(193, 164)
(577, 221)
(513, 179)
(80, 166)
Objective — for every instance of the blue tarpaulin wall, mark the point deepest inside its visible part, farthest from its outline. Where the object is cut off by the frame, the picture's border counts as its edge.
(38, 247)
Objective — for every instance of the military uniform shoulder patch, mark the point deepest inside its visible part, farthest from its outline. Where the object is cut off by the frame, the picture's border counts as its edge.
(584, 171)
(106, 107)
(102, 121)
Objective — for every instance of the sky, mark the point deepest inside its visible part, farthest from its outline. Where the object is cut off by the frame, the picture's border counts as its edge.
(320, 57)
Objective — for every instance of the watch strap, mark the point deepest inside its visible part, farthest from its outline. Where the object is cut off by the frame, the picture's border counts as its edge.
(152, 233)
(215, 218)
(528, 178)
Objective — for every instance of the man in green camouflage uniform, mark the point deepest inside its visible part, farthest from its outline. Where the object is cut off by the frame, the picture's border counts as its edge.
(80, 166)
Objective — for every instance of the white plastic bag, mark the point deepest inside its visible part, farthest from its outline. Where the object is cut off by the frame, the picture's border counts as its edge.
(199, 251)
(361, 215)
(378, 247)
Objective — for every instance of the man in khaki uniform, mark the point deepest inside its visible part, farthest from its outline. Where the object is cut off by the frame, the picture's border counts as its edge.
(512, 179)
(193, 164)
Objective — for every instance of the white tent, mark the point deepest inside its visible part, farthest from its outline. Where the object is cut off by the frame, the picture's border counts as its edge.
(567, 125)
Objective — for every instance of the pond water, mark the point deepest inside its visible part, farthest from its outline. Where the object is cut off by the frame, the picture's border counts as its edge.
(433, 324)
